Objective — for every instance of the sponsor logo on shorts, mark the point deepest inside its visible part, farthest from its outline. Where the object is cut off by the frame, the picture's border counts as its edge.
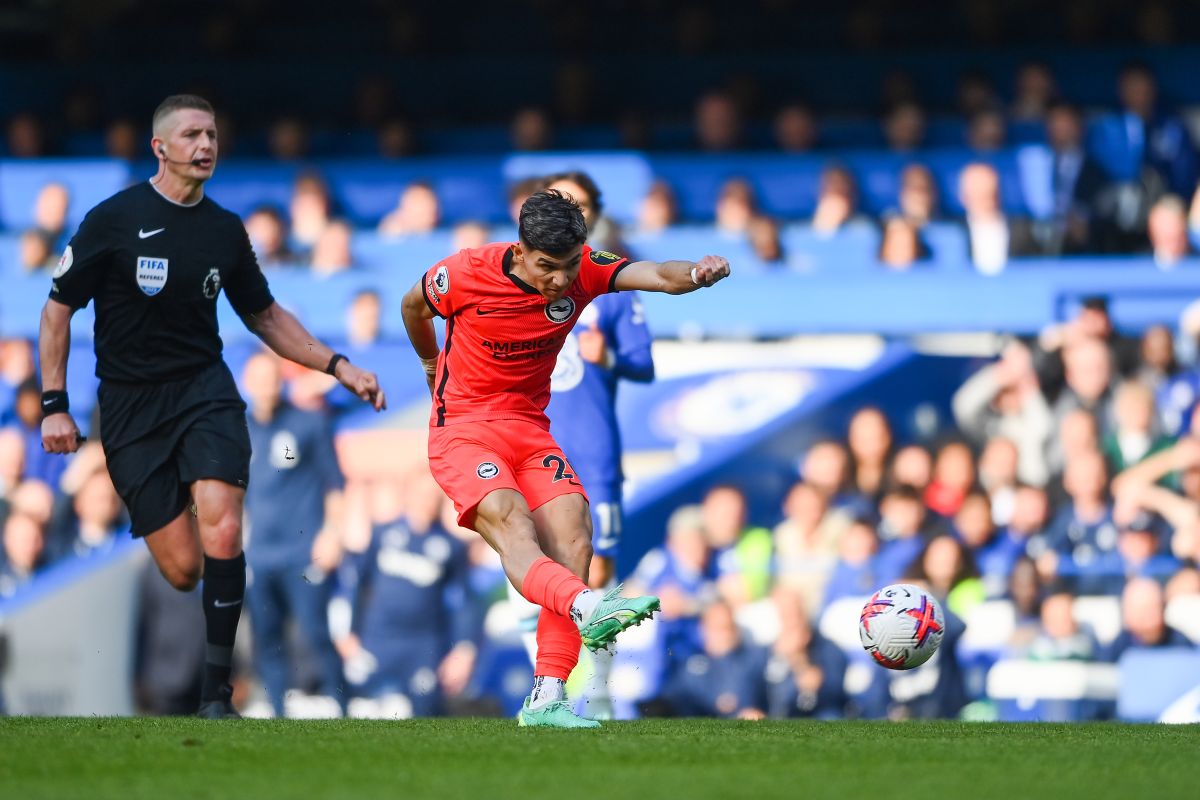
(487, 470)
(64, 263)
(560, 311)
(151, 274)
(212, 283)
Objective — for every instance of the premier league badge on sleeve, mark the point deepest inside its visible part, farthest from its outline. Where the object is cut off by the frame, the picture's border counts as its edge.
(151, 275)
(212, 283)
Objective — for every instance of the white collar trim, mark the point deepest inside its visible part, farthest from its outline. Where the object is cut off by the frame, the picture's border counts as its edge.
(175, 202)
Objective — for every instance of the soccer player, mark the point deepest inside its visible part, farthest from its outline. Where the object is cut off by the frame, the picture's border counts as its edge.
(509, 308)
(153, 258)
(612, 343)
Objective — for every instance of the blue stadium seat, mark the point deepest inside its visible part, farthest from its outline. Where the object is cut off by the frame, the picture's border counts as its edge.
(948, 245)
(89, 182)
(856, 247)
(10, 255)
(402, 258)
(242, 186)
(1108, 143)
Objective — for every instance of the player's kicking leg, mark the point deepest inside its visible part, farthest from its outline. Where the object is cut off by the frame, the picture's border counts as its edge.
(209, 545)
(572, 612)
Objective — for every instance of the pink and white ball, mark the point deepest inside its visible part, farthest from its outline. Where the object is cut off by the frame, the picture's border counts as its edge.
(901, 626)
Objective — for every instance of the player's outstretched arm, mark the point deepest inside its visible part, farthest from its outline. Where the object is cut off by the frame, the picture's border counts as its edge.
(284, 334)
(418, 321)
(672, 277)
(60, 434)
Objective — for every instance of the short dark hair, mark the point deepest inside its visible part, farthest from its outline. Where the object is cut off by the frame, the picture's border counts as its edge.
(177, 102)
(584, 181)
(551, 222)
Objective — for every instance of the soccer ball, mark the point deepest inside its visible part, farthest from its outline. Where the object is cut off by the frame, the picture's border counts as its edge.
(901, 626)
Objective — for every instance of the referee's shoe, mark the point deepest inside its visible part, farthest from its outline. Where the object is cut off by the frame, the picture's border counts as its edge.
(221, 708)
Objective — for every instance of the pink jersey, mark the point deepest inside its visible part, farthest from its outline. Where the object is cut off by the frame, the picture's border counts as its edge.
(502, 336)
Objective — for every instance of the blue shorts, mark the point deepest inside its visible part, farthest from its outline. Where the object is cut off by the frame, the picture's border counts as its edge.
(606, 528)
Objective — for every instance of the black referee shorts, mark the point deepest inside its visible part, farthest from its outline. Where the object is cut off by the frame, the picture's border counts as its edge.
(159, 439)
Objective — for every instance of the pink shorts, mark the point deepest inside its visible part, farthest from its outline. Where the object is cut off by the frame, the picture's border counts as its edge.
(471, 460)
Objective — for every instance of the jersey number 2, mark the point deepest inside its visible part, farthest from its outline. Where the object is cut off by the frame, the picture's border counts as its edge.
(560, 469)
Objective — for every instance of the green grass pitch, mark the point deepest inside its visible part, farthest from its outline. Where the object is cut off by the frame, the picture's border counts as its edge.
(493, 760)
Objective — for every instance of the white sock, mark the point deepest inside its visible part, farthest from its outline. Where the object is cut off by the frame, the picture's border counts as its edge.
(583, 606)
(597, 685)
(546, 690)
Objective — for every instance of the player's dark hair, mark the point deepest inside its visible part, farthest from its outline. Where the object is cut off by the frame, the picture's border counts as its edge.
(584, 181)
(551, 223)
(177, 102)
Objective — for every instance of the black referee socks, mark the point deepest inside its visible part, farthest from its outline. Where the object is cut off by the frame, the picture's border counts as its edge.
(223, 592)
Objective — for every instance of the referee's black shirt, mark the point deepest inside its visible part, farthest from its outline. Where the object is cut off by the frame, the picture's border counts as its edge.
(154, 268)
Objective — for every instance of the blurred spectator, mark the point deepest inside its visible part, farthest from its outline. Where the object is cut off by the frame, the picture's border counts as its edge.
(1025, 594)
(870, 438)
(50, 211)
(396, 139)
(1092, 321)
(1135, 434)
(309, 209)
(742, 553)
(1060, 637)
(726, 679)
(1003, 400)
(1168, 232)
(27, 419)
(269, 237)
(918, 198)
(531, 130)
(827, 467)
(904, 128)
(796, 129)
(469, 235)
(901, 246)
(945, 565)
(1175, 388)
(331, 253)
(806, 543)
(986, 131)
(24, 548)
(1077, 181)
(363, 318)
(658, 209)
(998, 476)
(98, 518)
(124, 140)
(679, 574)
(294, 512)
(805, 674)
(417, 212)
(856, 573)
(953, 477)
(35, 251)
(603, 231)
(763, 234)
(34, 499)
(736, 207)
(975, 93)
(16, 367)
(288, 139)
(1156, 139)
(12, 467)
(1083, 529)
(1023, 535)
(718, 123)
(413, 631)
(993, 237)
(519, 192)
(837, 201)
(912, 466)
(1143, 620)
(1034, 92)
(901, 527)
(26, 136)
(374, 99)
(1089, 375)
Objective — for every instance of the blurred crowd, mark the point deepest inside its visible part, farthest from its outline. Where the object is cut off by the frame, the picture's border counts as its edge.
(1152, 207)
(1070, 481)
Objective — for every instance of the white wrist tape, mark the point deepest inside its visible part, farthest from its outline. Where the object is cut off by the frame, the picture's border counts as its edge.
(429, 365)
(694, 277)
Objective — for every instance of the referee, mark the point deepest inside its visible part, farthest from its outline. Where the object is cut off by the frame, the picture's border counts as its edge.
(153, 258)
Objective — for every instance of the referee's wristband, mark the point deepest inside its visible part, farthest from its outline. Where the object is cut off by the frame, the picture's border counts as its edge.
(55, 401)
(333, 362)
